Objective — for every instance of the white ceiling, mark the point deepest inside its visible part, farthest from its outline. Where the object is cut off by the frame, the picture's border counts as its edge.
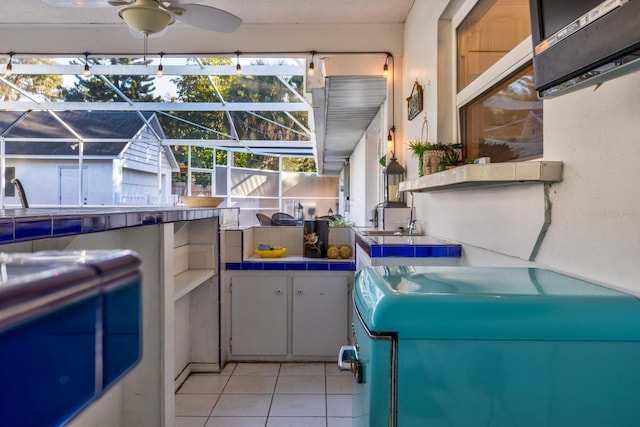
(251, 11)
(31, 27)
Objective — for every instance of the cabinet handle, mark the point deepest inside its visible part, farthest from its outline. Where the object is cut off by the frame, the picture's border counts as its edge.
(278, 291)
(299, 291)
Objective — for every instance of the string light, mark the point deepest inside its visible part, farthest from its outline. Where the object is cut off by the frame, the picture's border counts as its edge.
(312, 66)
(238, 67)
(87, 70)
(160, 71)
(9, 69)
(385, 67)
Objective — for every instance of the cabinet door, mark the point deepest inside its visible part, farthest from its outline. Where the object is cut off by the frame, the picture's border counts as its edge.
(320, 315)
(259, 315)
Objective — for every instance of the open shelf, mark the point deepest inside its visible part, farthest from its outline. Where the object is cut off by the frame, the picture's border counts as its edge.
(188, 280)
(486, 175)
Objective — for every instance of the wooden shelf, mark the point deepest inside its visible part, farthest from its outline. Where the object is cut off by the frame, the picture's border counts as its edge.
(188, 280)
(486, 175)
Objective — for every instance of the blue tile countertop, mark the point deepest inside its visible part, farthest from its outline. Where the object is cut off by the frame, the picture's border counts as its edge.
(19, 225)
(297, 263)
(407, 246)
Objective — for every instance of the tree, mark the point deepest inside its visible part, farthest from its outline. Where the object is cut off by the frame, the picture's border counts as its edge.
(46, 86)
(248, 125)
(136, 88)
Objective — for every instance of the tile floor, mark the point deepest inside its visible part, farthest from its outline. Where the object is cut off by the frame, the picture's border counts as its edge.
(267, 395)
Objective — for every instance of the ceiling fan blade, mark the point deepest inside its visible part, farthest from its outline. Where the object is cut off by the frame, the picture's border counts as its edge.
(206, 17)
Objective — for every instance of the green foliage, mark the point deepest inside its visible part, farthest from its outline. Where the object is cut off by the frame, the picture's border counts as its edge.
(136, 88)
(451, 157)
(341, 222)
(48, 86)
(298, 164)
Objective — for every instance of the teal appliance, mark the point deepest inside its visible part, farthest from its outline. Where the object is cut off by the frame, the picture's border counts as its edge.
(70, 327)
(466, 346)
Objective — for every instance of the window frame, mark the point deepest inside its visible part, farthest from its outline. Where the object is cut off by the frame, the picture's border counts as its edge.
(518, 58)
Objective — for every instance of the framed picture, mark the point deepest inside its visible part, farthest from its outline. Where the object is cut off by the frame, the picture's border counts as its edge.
(414, 101)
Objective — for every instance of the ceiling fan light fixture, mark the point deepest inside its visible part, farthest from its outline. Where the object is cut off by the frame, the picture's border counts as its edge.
(146, 19)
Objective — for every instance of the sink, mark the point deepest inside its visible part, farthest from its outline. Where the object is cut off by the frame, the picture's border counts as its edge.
(387, 233)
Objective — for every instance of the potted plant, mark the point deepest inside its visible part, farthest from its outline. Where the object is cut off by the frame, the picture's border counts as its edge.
(418, 148)
(451, 156)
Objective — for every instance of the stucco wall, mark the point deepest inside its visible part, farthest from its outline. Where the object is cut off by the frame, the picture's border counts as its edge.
(595, 215)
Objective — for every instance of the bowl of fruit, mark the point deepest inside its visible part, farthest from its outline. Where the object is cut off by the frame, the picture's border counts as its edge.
(268, 251)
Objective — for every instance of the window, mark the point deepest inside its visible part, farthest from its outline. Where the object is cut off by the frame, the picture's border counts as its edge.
(500, 114)
(505, 123)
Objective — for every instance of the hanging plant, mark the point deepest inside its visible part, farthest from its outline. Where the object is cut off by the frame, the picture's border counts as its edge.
(418, 148)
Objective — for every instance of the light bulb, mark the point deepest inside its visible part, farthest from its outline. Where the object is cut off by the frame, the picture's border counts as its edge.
(87, 70)
(238, 67)
(9, 70)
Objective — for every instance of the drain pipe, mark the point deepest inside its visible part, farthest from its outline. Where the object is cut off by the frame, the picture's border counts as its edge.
(545, 224)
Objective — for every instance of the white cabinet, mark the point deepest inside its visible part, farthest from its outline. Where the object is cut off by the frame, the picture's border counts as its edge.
(320, 315)
(259, 315)
(288, 315)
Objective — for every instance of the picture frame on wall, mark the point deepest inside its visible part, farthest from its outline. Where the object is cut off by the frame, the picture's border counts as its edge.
(414, 101)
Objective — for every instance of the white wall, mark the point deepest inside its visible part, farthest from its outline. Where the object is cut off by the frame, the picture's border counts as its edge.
(41, 180)
(595, 212)
(366, 176)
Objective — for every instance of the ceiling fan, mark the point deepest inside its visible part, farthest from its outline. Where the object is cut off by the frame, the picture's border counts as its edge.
(149, 17)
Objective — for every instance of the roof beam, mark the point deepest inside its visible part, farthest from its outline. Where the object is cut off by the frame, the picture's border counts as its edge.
(151, 70)
(155, 106)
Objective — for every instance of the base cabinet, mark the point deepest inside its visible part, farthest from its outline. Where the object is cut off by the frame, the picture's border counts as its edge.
(320, 314)
(259, 315)
(287, 316)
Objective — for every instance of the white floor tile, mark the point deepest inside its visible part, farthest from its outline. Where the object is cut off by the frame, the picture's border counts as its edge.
(331, 368)
(204, 383)
(240, 384)
(267, 395)
(242, 405)
(228, 369)
(190, 421)
(339, 405)
(300, 385)
(312, 405)
(255, 369)
(339, 422)
(297, 422)
(236, 422)
(338, 384)
(301, 369)
(194, 405)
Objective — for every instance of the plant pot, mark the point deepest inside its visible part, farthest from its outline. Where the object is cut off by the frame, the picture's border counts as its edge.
(431, 161)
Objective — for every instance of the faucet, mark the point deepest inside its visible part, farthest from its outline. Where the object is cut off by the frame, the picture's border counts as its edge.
(21, 193)
(411, 224)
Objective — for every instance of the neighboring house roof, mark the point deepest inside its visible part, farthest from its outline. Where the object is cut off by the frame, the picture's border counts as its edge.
(111, 127)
